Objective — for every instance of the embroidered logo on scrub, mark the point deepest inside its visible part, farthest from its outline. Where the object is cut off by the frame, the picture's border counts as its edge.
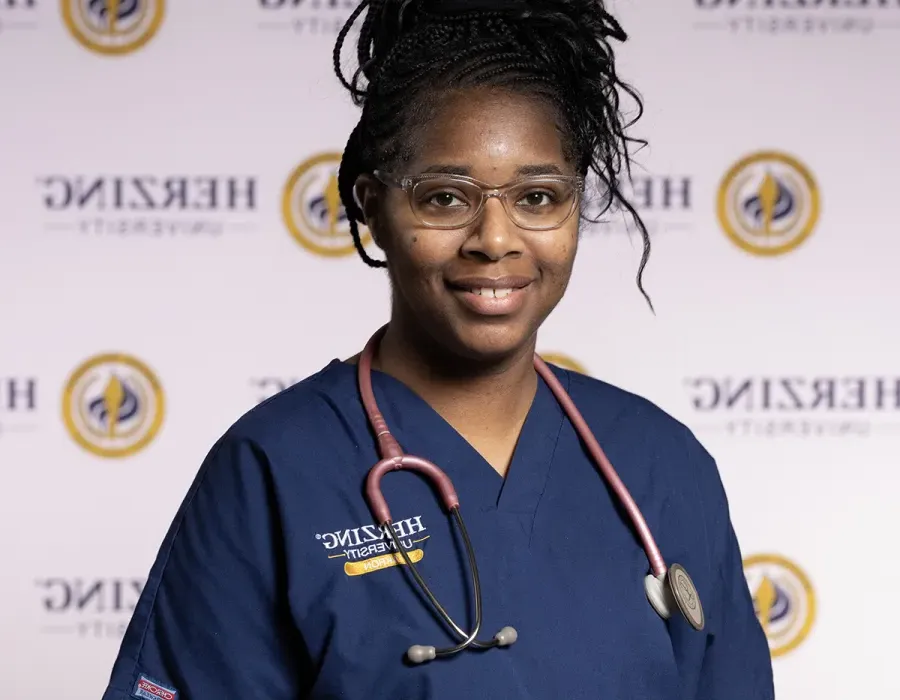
(370, 548)
(151, 690)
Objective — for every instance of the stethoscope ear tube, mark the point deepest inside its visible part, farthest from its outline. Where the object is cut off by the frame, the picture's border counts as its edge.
(387, 445)
(429, 470)
(419, 653)
(393, 459)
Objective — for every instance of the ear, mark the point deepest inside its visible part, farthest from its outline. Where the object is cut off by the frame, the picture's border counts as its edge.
(366, 194)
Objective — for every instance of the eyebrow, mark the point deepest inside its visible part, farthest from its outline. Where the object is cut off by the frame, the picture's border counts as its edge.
(525, 170)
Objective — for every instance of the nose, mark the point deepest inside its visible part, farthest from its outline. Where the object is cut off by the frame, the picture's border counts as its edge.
(493, 234)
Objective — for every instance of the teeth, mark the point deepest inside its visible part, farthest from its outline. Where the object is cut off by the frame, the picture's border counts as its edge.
(496, 293)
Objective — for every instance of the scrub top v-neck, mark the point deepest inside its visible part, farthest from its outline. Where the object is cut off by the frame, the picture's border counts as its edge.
(422, 431)
(273, 582)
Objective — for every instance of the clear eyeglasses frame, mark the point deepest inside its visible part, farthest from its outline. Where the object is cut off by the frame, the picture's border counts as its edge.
(562, 192)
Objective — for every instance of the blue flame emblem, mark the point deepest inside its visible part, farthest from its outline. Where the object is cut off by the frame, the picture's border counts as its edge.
(318, 211)
(129, 406)
(124, 10)
(782, 205)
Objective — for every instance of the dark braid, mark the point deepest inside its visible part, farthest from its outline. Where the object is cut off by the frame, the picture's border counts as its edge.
(347, 175)
(410, 52)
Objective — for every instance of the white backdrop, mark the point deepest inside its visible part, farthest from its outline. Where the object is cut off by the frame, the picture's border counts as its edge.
(169, 249)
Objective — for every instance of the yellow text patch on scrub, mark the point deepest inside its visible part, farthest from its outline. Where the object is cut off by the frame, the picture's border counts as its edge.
(385, 561)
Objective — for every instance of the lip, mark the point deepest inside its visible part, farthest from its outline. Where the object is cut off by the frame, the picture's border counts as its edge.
(463, 290)
(509, 282)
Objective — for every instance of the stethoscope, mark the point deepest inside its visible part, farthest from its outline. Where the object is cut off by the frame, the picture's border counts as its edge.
(666, 587)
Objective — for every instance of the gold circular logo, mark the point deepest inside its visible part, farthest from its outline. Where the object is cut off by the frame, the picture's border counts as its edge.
(768, 203)
(312, 209)
(563, 361)
(113, 27)
(113, 405)
(784, 600)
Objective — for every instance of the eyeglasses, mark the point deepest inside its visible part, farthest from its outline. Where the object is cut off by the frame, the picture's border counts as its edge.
(536, 203)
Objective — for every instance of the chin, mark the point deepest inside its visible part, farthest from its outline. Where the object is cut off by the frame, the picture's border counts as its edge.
(490, 342)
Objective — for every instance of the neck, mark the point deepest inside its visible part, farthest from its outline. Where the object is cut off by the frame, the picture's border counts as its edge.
(484, 401)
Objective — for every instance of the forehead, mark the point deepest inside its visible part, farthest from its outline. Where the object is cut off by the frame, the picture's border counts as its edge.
(490, 133)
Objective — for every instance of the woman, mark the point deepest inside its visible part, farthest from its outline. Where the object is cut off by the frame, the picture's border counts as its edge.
(480, 122)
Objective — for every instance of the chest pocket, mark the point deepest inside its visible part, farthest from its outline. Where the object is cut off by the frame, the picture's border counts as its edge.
(362, 609)
(378, 588)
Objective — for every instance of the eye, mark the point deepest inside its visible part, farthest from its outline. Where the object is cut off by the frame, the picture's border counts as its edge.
(444, 199)
(536, 198)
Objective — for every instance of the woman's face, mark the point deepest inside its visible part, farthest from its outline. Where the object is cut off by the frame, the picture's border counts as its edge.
(443, 280)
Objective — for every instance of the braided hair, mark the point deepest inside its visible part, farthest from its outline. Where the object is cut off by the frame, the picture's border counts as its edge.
(409, 52)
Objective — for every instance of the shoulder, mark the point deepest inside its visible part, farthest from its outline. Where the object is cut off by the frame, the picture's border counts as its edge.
(668, 446)
(300, 423)
(623, 410)
(667, 469)
(299, 412)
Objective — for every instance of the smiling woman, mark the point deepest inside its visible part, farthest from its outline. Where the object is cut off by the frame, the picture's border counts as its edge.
(477, 273)
(481, 122)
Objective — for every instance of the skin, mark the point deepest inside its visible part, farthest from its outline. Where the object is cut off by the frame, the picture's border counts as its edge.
(476, 371)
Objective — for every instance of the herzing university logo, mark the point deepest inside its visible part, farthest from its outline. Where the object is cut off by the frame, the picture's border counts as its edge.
(305, 17)
(792, 405)
(797, 17)
(564, 361)
(664, 202)
(17, 15)
(149, 205)
(265, 387)
(18, 404)
(312, 210)
(370, 548)
(113, 27)
(97, 608)
(783, 598)
(113, 405)
(768, 203)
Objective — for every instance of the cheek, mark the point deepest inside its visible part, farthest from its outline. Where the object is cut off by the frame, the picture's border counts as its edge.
(418, 255)
(557, 254)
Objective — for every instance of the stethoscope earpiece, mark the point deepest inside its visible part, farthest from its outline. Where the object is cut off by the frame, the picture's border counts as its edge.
(419, 654)
(506, 636)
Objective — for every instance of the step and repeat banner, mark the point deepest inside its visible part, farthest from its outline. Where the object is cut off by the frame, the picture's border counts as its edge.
(171, 254)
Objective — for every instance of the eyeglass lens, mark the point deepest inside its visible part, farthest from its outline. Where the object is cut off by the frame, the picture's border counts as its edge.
(532, 204)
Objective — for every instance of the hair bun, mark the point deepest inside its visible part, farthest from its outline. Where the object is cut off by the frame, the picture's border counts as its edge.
(452, 6)
(584, 14)
(387, 21)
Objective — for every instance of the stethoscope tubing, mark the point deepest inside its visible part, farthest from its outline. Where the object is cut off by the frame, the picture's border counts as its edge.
(664, 588)
(469, 639)
(655, 557)
(394, 458)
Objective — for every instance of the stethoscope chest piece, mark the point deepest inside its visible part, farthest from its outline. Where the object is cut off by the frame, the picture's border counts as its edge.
(675, 587)
(686, 597)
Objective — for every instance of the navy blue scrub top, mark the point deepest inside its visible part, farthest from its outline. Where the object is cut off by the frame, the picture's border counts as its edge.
(273, 583)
